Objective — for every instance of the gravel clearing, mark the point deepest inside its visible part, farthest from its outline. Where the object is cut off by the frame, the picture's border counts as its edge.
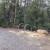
(13, 39)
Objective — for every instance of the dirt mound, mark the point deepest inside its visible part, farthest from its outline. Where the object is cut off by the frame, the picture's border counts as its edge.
(42, 31)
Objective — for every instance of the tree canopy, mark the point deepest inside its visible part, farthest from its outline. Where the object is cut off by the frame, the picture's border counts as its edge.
(33, 12)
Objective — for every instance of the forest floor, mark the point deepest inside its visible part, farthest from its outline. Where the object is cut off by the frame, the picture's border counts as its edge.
(15, 39)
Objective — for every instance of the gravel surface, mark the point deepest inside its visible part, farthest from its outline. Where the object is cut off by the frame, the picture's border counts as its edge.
(13, 39)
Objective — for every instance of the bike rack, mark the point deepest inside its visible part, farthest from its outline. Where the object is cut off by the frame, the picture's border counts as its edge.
(26, 26)
(20, 25)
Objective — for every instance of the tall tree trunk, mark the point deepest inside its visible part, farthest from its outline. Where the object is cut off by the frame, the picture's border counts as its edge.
(16, 3)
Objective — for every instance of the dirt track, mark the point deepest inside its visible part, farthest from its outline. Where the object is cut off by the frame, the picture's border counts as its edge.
(13, 39)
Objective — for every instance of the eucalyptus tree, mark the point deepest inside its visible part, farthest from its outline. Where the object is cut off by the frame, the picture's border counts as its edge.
(36, 13)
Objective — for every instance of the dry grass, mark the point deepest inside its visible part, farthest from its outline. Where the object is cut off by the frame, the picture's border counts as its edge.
(34, 34)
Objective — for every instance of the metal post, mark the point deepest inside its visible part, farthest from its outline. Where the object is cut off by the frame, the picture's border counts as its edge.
(24, 13)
